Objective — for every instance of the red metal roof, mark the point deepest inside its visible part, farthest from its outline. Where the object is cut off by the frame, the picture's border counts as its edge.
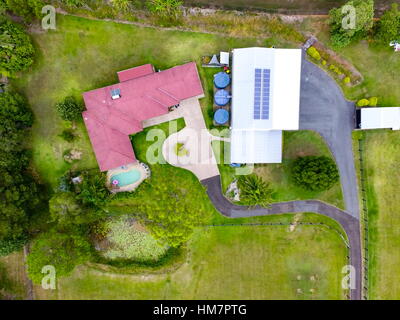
(110, 122)
(136, 72)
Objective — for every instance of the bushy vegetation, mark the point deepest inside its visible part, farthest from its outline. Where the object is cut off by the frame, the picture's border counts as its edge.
(314, 53)
(70, 109)
(128, 242)
(19, 193)
(315, 173)
(10, 245)
(27, 9)
(68, 135)
(388, 28)
(62, 250)
(363, 21)
(176, 212)
(16, 50)
(372, 102)
(254, 191)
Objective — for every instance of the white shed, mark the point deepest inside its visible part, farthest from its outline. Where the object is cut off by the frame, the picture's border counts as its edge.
(265, 101)
(224, 58)
(380, 118)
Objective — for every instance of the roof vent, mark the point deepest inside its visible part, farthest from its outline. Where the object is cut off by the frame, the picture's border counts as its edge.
(115, 94)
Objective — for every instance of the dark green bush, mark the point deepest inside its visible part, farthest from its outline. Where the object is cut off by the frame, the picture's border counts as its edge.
(315, 173)
(70, 109)
(68, 135)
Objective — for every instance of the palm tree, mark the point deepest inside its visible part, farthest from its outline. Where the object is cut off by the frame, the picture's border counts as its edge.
(255, 191)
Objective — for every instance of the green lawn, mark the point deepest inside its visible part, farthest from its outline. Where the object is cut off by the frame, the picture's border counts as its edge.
(295, 144)
(378, 64)
(230, 262)
(382, 156)
(84, 54)
(13, 280)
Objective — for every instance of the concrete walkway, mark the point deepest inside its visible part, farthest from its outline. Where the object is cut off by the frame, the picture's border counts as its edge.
(349, 223)
(324, 109)
(196, 140)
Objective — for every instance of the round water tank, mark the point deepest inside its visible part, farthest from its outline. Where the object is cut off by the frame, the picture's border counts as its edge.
(221, 80)
(221, 97)
(221, 116)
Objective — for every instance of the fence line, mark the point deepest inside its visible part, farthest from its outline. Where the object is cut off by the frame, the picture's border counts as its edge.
(364, 217)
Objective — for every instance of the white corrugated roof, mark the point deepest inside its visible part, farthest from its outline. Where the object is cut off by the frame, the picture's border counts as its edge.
(284, 101)
(380, 118)
(224, 58)
(256, 146)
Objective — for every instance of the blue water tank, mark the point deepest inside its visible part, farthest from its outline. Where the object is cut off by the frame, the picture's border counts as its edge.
(221, 116)
(221, 97)
(222, 80)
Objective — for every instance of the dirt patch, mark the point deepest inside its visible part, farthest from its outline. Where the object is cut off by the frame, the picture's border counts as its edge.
(295, 222)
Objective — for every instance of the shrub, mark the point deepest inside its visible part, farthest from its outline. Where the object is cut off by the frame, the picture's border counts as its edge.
(389, 25)
(8, 246)
(27, 9)
(254, 191)
(70, 109)
(314, 53)
(362, 103)
(373, 101)
(68, 135)
(16, 49)
(64, 251)
(315, 173)
(324, 62)
(94, 192)
(346, 80)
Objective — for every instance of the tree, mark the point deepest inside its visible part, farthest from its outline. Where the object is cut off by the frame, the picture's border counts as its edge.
(364, 13)
(254, 191)
(27, 9)
(94, 192)
(19, 194)
(389, 25)
(61, 250)
(16, 49)
(15, 118)
(315, 173)
(168, 209)
(70, 109)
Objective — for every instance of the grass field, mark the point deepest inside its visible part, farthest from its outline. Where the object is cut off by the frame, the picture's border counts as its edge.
(82, 55)
(230, 262)
(382, 156)
(295, 144)
(13, 277)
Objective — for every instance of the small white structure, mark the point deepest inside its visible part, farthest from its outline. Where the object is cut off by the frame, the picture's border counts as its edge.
(265, 101)
(380, 118)
(395, 45)
(224, 58)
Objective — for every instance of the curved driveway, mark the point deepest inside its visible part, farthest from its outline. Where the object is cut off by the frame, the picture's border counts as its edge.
(323, 109)
(348, 222)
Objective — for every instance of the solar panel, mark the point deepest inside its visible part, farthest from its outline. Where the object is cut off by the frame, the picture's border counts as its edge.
(262, 83)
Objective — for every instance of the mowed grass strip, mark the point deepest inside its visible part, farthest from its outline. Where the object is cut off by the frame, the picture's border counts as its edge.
(382, 157)
(231, 262)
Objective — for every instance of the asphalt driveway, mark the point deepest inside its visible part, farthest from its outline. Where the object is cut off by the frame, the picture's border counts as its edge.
(324, 109)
